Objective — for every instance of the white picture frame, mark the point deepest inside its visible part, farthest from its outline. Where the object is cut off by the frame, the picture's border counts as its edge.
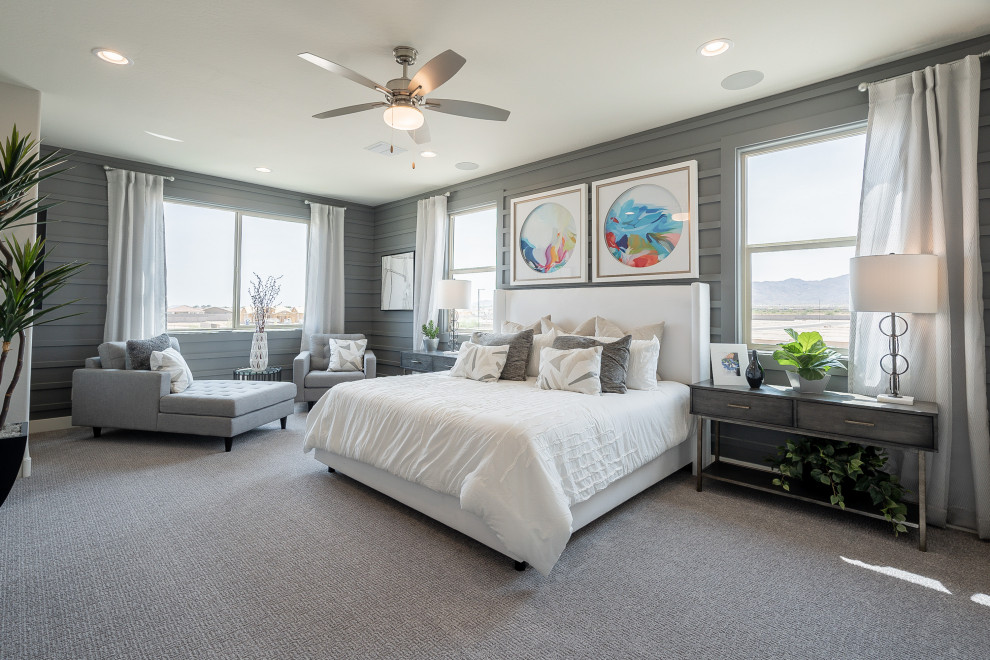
(664, 244)
(397, 281)
(534, 219)
(729, 364)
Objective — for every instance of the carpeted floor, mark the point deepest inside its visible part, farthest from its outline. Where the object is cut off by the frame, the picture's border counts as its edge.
(142, 546)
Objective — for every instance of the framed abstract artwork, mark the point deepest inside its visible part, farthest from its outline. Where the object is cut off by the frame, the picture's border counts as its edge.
(646, 225)
(729, 364)
(397, 281)
(550, 237)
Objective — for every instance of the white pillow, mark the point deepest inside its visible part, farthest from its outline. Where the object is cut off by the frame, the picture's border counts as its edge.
(481, 363)
(572, 370)
(541, 341)
(171, 361)
(346, 354)
(641, 372)
(606, 328)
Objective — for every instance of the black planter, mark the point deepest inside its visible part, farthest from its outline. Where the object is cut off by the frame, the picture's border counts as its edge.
(11, 455)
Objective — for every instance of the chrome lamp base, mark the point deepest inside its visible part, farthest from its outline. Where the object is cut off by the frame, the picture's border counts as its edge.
(895, 371)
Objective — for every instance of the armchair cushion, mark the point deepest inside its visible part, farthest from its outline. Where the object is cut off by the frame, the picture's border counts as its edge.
(320, 351)
(327, 379)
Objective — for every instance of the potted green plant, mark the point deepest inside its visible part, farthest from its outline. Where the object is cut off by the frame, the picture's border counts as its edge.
(24, 280)
(431, 336)
(811, 360)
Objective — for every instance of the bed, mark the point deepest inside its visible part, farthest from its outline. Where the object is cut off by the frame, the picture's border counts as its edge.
(514, 467)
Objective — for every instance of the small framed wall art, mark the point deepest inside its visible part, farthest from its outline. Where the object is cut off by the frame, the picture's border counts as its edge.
(550, 237)
(397, 281)
(646, 225)
(729, 364)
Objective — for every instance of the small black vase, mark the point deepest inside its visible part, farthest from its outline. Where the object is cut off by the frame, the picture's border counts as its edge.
(754, 372)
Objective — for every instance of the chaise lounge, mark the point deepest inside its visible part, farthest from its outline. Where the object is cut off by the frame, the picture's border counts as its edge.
(108, 395)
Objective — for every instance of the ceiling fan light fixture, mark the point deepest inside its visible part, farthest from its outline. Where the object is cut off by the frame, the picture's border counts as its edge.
(403, 117)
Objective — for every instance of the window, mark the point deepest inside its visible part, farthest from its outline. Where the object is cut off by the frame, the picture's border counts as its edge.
(472, 257)
(800, 211)
(211, 255)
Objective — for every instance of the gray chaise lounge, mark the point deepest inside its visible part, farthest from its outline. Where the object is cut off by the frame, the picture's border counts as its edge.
(115, 397)
(309, 369)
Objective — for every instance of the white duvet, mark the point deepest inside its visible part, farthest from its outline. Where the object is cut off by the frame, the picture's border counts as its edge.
(514, 455)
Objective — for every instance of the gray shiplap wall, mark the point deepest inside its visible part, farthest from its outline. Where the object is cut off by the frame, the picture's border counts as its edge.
(712, 140)
(79, 232)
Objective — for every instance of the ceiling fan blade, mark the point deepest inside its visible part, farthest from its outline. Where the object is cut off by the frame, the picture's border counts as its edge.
(436, 72)
(420, 135)
(349, 110)
(468, 109)
(333, 67)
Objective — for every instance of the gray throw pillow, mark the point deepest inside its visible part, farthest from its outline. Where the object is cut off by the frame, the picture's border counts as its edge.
(615, 359)
(139, 350)
(519, 343)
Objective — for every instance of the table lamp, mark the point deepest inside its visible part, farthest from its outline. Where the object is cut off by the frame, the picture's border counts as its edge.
(894, 283)
(453, 295)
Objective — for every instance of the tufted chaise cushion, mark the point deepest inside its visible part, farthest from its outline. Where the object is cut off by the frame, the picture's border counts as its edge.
(226, 398)
(319, 351)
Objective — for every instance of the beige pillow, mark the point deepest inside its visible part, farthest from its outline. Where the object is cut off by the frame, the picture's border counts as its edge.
(536, 326)
(586, 329)
(606, 328)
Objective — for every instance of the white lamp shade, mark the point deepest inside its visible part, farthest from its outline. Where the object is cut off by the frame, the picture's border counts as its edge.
(454, 294)
(906, 283)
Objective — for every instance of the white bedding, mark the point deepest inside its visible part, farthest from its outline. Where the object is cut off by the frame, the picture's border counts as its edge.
(516, 456)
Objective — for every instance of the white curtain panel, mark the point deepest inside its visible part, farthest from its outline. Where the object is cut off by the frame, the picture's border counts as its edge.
(136, 256)
(324, 310)
(431, 249)
(920, 195)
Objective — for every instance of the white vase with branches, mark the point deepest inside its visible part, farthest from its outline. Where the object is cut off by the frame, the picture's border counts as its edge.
(264, 293)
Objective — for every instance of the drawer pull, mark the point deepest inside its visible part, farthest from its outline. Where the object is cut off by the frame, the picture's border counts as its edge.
(852, 421)
(736, 405)
(415, 361)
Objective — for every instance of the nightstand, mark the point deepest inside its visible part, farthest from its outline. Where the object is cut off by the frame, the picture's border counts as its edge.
(424, 361)
(832, 415)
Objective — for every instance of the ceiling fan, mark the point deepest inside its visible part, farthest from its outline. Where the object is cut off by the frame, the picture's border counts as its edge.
(405, 98)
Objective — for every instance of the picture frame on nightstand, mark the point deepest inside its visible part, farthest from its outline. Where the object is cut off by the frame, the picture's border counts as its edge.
(729, 364)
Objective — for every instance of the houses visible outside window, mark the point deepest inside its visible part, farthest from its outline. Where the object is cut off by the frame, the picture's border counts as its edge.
(472, 257)
(211, 255)
(800, 211)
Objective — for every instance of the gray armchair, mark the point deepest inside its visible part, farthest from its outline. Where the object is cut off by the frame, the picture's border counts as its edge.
(309, 369)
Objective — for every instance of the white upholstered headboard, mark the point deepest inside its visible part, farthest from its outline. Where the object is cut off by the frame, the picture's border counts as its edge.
(685, 308)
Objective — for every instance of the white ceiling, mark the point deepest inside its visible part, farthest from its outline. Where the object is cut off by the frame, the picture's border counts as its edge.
(223, 75)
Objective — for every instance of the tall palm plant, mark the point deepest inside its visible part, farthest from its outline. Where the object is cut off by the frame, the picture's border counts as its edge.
(24, 281)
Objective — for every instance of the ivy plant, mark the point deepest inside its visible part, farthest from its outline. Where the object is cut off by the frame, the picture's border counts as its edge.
(842, 467)
(808, 353)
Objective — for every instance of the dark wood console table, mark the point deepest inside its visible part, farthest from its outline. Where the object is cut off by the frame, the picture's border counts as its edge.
(832, 415)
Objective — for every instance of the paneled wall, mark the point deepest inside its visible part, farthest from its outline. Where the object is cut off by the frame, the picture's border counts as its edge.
(712, 140)
(79, 233)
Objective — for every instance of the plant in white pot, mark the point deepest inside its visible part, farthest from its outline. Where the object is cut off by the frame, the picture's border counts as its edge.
(811, 360)
(24, 279)
(263, 293)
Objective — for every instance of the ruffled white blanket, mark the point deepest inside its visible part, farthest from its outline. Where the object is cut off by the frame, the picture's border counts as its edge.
(516, 456)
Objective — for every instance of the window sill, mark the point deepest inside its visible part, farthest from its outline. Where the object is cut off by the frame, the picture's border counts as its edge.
(217, 331)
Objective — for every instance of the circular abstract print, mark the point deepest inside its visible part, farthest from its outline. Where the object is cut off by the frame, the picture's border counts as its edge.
(640, 229)
(548, 237)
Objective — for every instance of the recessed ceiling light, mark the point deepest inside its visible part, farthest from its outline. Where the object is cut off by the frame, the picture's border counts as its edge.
(742, 80)
(263, 169)
(714, 47)
(111, 56)
(428, 154)
(163, 137)
(466, 165)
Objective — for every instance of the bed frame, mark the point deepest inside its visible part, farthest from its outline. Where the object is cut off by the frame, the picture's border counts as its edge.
(684, 357)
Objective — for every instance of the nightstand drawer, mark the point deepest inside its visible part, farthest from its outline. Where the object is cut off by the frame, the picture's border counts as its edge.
(417, 362)
(760, 409)
(443, 362)
(868, 423)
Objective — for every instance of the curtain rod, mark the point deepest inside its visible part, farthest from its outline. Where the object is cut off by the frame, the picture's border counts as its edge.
(309, 202)
(167, 178)
(864, 86)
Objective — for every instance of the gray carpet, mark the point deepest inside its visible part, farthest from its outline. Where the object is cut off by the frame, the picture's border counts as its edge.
(144, 546)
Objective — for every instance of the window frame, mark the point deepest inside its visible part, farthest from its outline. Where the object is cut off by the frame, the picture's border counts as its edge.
(238, 217)
(448, 269)
(746, 251)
